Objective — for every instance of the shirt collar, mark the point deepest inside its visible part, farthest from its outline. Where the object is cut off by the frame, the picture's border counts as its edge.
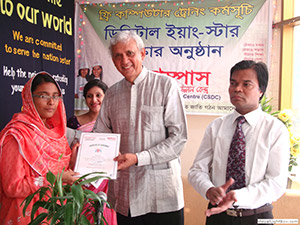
(251, 117)
(139, 78)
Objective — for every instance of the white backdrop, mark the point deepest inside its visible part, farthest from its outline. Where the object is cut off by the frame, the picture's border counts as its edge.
(90, 48)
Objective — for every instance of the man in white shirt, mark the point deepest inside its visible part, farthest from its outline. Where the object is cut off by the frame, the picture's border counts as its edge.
(147, 110)
(266, 154)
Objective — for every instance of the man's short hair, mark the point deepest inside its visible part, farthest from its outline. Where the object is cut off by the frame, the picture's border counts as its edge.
(261, 72)
(125, 36)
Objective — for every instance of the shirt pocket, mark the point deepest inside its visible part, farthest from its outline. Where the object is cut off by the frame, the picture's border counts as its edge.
(152, 118)
(163, 184)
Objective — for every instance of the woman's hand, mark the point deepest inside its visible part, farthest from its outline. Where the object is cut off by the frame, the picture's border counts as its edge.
(69, 177)
(74, 155)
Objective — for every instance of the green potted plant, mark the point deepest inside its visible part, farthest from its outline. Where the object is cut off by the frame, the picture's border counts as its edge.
(67, 204)
(266, 106)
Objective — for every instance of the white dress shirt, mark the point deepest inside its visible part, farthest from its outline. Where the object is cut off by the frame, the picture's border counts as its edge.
(150, 117)
(267, 155)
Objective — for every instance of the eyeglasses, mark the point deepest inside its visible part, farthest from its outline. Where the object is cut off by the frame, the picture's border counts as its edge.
(46, 98)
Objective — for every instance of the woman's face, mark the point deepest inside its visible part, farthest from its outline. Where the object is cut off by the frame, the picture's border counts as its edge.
(97, 71)
(94, 98)
(84, 72)
(46, 97)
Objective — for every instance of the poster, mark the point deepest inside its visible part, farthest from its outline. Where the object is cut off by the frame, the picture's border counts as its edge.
(36, 35)
(195, 43)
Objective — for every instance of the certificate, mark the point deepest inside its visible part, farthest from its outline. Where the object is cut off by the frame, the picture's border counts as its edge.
(96, 154)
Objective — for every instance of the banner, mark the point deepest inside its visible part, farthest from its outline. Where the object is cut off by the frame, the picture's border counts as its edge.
(36, 35)
(195, 43)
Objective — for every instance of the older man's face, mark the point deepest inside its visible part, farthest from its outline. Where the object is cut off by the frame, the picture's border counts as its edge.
(128, 59)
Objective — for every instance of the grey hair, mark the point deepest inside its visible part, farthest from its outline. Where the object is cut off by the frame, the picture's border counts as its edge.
(125, 36)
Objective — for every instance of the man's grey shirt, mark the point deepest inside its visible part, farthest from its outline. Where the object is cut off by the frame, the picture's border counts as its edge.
(150, 117)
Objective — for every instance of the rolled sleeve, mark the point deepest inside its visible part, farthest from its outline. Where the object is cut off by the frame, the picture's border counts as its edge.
(143, 158)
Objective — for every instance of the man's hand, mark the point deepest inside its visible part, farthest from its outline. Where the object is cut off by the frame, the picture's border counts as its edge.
(216, 194)
(126, 160)
(227, 202)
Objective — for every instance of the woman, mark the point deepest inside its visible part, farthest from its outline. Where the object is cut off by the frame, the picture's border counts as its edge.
(97, 72)
(80, 81)
(31, 144)
(93, 93)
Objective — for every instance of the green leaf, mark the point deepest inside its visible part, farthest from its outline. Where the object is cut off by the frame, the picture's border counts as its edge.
(88, 174)
(51, 178)
(63, 198)
(69, 214)
(268, 108)
(44, 191)
(27, 201)
(58, 215)
(77, 193)
(90, 180)
(38, 219)
(105, 220)
(90, 194)
(265, 105)
(67, 189)
(59, 185)
(84, 220)
(36, 206)
(64, 203)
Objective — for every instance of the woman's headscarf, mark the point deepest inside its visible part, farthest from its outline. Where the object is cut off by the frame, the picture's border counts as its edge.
(44, 149)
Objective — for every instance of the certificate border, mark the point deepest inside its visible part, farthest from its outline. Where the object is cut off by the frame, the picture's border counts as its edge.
(118, 136)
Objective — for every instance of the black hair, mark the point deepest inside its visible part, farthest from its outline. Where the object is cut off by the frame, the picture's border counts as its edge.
(79, 73)
(261, 72)
(40, 78)
(94, 83)
(101, 74)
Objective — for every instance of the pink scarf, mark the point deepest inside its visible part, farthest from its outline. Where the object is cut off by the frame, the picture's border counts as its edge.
(88, 127)
(41, 147)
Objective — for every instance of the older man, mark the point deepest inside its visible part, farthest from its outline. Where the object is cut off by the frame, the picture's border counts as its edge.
(147, 110)
(242, 163)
